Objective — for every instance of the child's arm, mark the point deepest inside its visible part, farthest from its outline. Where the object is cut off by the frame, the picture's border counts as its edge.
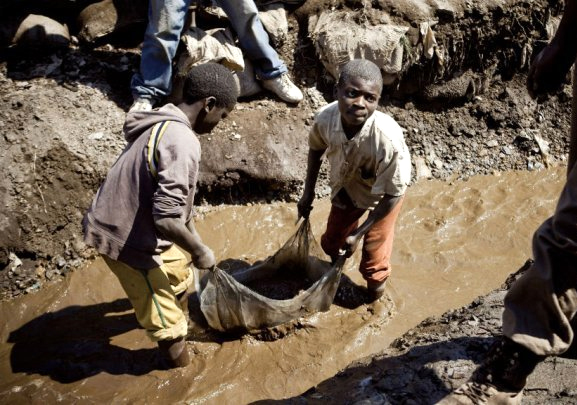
(185, 236)
(386, 205)
(304, 205)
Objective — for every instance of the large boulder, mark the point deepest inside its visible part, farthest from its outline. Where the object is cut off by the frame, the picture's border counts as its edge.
(111, 16)
(37, 31)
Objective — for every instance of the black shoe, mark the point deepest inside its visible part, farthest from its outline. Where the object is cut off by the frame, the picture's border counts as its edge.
(501, 377)
(173, 353)
(375, 291)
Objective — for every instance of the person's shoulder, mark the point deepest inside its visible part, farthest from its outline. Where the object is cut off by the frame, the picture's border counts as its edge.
(385, 120)
(387, 125)
(181, 135)
(389, 132)
(326, 118)
(327, 111)
(175, 114)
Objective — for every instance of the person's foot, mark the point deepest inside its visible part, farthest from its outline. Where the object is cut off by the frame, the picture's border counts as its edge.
(501, 377)
(173, 353)
(376, 290)
(283, 87)
(141, 104)
(472, 393)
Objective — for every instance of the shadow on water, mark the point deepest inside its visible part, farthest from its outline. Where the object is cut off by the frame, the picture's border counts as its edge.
(350, 295)
(74, 343)
(407, 378)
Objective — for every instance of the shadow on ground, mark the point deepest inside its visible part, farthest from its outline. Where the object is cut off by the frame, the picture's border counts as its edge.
(74, 343)
(409, 378)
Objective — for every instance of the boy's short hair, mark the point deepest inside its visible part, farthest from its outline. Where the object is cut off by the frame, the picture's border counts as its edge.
(210, 80)
(360, 68)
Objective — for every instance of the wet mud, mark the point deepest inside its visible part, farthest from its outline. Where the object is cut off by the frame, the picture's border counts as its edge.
(78, 341)
(281, 286)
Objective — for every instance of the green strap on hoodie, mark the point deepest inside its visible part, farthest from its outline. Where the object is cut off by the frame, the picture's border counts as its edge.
(152, 154)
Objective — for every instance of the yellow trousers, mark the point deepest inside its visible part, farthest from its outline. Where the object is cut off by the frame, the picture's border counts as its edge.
(153, 293)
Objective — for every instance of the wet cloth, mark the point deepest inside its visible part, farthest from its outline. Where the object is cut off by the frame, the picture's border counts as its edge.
(376, 161)
(230, 304)
(541, 305)
(343, 219)
(120, 221)
(153, 293)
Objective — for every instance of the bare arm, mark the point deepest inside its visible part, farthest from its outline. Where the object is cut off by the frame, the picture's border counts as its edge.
(185, 236)
(386, 205)
(313, 167)
(551, 65)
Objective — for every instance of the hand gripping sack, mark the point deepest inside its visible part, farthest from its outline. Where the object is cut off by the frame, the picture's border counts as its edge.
(236, 301)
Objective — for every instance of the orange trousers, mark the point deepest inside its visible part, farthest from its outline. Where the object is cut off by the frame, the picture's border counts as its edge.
(375, 264)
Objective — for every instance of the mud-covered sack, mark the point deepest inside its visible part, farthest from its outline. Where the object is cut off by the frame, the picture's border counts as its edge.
(338, 38)
(35, 31)
(236, 301)
(215, 45)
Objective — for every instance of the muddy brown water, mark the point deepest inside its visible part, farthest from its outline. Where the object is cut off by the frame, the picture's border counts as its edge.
(77, 341)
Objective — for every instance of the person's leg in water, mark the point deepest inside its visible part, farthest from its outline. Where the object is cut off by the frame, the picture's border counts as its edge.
(375, 263)
(377, 243)
(154, 295)
(342, 221)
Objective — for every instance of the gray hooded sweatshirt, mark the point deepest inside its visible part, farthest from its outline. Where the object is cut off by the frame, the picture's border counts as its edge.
(120, 223)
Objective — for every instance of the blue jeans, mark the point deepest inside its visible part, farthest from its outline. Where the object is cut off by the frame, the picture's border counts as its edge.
(254, 41)
(165, 23)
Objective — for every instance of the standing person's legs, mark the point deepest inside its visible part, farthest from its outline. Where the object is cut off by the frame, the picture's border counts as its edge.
(269, 68)
(166, 19)
(539, 309)
(153, 295)
(341, 223)
(540, 305)
(375, 264)
(377, 244)
(243, 16)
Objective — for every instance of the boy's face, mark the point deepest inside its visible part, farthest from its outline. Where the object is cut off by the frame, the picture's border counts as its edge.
(358, 99)
(208, 118)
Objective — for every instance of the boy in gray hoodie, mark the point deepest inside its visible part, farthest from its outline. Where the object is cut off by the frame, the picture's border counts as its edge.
(144, 207)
